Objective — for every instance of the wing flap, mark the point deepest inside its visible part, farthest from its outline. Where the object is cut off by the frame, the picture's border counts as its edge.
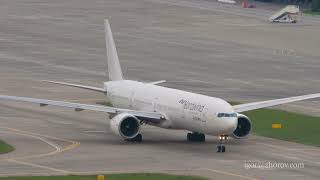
(270, 103)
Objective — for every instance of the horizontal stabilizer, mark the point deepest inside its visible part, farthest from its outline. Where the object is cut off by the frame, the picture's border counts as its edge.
(77, 86)
(157, 82)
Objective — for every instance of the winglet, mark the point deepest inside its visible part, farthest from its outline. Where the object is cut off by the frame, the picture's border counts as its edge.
(114, 68)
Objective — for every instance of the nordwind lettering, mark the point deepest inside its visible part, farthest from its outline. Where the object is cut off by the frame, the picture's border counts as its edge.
(191, 106)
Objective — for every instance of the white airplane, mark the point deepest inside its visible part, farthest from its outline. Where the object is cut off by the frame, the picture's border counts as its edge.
(136, 103)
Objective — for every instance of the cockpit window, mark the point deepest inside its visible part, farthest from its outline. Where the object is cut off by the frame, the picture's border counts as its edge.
(227, 114)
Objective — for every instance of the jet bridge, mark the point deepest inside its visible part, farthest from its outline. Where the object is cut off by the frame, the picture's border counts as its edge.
(286, 15)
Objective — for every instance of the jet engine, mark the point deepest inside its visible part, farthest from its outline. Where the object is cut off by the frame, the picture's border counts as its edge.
(243, 128)
(125, 125)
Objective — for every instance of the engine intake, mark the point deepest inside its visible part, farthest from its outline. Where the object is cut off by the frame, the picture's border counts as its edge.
(125, 125)
(243, 128)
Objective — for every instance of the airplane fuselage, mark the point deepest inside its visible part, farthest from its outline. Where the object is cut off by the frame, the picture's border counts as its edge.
(183, 110)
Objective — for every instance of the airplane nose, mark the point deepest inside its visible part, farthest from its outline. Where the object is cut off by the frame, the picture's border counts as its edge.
(231, 124)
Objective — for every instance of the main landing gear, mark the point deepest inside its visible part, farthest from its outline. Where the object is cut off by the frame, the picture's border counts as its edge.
(220, 146)
(138, 139)
(196, 137)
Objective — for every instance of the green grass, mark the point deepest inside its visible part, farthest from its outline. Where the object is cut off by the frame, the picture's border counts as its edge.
(313, 13)
(296, 127)
(105, 103)
(5, 148)
(108, 177)
(234, 103)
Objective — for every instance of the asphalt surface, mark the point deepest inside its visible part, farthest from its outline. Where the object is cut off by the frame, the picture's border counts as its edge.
(199, 46)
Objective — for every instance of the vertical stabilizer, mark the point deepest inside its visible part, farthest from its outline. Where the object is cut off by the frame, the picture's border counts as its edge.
(114, 68)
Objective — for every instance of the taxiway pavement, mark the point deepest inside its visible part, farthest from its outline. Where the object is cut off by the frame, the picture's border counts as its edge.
(200, 46)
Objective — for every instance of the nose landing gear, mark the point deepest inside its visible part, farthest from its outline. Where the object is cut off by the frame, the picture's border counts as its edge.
(220, 146)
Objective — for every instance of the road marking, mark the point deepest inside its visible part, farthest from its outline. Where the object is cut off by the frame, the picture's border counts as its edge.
(38, 166)
(57, 148)
(162, 170)
(304, 155)
(33, 174)
(73, 145)
(242, 25)
(60, 122)
(302, 151)
(230, 174)
(38, 136)
(94, 131)
(295, 175)
(288, 157)
(41, 137)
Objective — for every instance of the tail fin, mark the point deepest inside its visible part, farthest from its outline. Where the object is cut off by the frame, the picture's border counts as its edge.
(114, 68)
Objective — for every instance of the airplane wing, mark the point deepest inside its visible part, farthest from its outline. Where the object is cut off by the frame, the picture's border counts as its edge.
(153, 117)
(264, 104)
(77, 85)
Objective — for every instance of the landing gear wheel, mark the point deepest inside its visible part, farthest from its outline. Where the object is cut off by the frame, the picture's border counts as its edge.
(202, 138)
(221, 147)
(196, 137)
(189, 136)
(138, 139)
(218, 148)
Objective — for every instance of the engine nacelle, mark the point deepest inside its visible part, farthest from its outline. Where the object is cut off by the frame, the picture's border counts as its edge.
(243, 128)
(125, 125)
